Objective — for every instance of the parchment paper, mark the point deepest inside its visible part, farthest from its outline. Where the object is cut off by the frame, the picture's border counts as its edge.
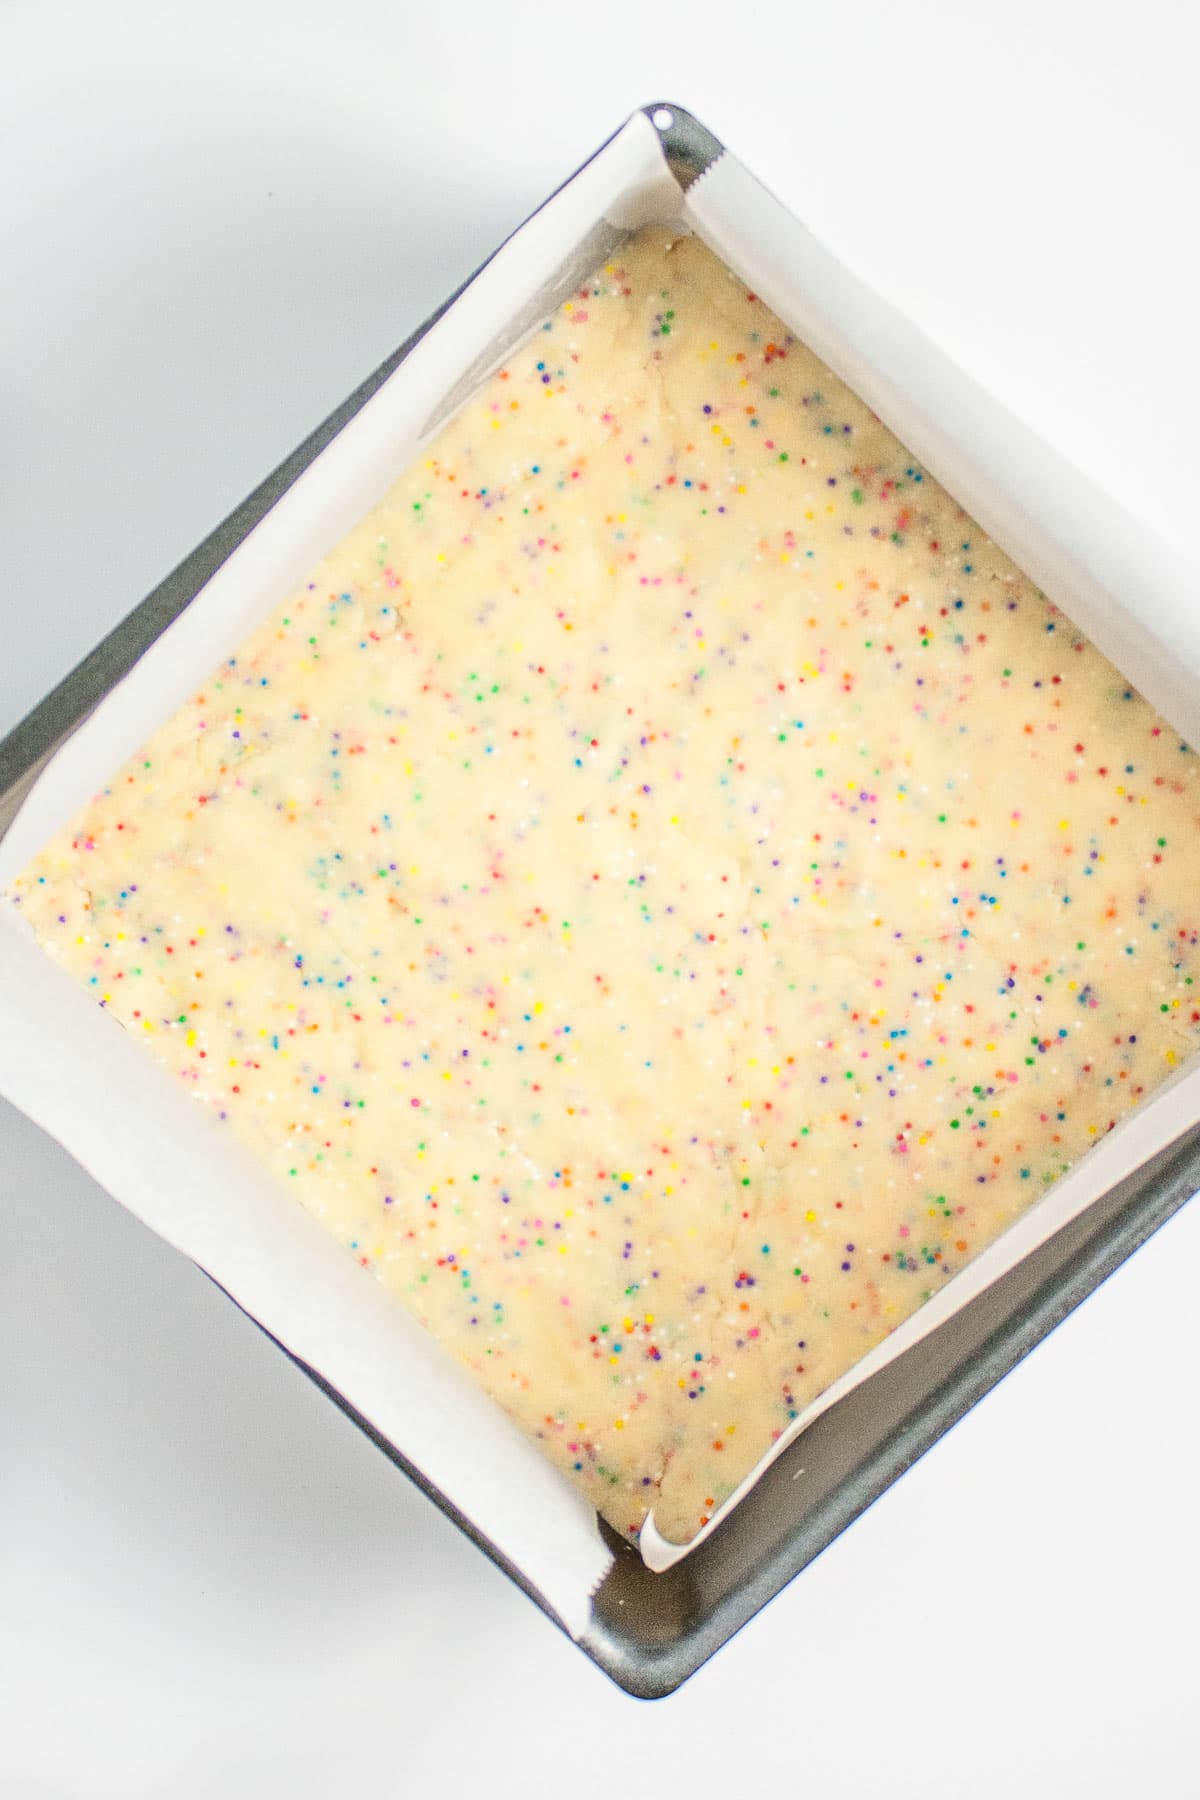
(72, 1068)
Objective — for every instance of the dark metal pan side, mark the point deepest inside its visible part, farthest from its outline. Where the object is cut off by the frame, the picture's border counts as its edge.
(650, 1632)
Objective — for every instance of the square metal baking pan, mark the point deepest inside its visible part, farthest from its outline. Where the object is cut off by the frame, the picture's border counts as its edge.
(649, 1631)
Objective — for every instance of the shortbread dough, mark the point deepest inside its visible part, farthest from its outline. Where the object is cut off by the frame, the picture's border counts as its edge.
(666, 892)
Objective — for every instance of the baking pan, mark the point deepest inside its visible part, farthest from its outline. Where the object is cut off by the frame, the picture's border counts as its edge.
(650, 1631)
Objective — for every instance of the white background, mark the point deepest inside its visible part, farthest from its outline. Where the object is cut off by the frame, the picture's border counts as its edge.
(214, 219)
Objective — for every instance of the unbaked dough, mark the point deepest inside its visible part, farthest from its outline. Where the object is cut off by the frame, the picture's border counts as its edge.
(665, 893)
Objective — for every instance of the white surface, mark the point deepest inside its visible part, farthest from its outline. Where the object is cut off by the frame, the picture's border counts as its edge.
(215, 220)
